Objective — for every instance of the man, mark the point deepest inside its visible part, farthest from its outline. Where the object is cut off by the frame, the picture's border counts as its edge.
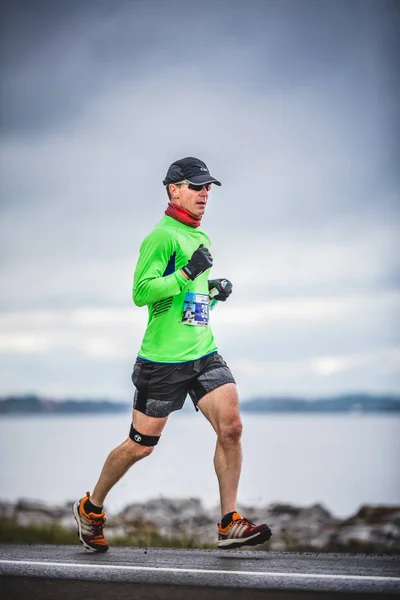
(178, 356)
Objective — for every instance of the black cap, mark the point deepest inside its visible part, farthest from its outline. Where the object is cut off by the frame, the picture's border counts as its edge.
(192, 169)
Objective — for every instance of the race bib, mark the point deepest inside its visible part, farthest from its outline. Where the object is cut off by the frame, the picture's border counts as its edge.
(195, 309)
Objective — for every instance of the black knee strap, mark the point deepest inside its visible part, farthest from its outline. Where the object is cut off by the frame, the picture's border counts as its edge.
(143, 440)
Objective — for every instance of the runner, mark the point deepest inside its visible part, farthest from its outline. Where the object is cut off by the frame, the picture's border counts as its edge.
(178, 356)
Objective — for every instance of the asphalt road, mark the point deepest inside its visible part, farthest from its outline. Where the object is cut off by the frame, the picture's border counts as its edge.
(66, 572)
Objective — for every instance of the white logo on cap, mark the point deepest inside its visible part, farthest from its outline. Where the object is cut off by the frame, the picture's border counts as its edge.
(203, 169)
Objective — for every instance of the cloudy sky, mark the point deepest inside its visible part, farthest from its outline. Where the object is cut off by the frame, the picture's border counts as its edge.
(291, 103)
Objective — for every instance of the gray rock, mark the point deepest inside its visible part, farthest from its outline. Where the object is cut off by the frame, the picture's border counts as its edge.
(312, 528)
(6, 509)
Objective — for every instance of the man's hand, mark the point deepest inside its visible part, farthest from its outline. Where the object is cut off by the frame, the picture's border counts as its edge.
(220, 289)
(201, 261)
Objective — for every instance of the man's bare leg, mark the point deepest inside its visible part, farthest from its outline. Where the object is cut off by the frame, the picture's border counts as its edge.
(125, 455)
(221, 408)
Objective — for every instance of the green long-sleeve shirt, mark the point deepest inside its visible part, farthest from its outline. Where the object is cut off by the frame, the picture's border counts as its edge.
(178, 308)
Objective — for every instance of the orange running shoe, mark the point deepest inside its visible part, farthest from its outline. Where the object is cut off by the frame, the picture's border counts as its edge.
(240, 532)
(90, 527)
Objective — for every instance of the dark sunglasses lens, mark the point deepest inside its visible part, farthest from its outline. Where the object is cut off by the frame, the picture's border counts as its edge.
(198, 188)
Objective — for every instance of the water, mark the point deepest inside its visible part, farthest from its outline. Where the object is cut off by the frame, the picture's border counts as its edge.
(341, 461)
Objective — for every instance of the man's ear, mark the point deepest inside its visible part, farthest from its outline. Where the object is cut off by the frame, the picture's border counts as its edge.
(174, 190)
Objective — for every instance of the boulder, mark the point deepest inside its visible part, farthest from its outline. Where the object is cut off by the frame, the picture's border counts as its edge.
(311, 528)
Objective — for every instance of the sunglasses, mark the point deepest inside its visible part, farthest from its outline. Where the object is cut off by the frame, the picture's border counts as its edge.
(194, 187)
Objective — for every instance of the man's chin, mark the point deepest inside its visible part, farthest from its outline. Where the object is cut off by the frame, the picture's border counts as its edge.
(200, 211)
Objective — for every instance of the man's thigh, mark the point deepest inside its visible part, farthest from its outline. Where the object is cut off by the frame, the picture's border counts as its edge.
(221, 407)
(148, 425)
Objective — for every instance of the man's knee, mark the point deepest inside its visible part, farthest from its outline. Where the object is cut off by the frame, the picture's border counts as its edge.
(144, 451)
(136, 451)
(231, 431)
(143, 445)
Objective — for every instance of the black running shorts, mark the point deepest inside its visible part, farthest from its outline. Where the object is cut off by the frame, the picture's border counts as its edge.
(162, 388)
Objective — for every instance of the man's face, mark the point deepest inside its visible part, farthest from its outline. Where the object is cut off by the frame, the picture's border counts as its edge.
(194, 202)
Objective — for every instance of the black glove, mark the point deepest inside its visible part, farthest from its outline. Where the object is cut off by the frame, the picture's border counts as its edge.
(201, 261)
(222, 286)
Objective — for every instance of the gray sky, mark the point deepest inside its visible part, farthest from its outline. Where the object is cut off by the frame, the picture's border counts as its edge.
(291, 103)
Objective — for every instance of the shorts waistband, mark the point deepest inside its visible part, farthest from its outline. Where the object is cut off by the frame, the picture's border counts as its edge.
(178, 362)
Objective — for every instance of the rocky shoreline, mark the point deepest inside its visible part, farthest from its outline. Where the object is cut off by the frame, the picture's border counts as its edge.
(372, 529)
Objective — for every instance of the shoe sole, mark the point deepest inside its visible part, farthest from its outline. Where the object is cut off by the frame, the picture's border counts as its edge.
(253, 540)
(75, 511)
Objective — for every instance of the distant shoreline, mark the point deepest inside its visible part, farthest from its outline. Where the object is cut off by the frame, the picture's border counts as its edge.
(31, 405)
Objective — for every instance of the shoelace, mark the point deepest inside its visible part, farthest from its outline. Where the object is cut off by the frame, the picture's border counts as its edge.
(97, 524)
(243, 521)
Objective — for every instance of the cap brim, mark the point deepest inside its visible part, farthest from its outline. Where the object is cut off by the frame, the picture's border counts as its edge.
(199, 179)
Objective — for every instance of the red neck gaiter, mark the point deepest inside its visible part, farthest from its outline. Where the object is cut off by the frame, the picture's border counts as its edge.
(181, 214)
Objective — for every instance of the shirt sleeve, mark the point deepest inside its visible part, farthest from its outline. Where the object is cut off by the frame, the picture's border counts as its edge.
(149, 284)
